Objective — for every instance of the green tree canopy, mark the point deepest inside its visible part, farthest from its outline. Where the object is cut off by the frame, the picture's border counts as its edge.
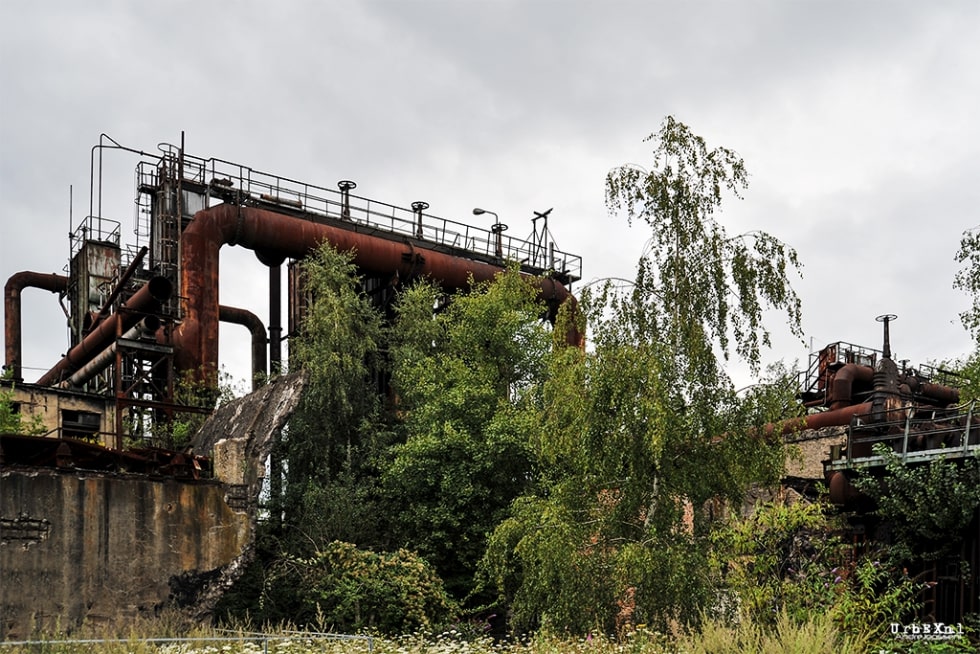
(968, 279)
(460, 378)
(333, 442)
(710, 285)
(636, 434)
(577, 480)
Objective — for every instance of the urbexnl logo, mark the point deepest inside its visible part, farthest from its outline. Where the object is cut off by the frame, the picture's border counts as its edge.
(926, 631)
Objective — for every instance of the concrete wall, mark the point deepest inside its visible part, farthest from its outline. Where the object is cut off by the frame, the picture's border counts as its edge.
(105, 548)
(807, 450)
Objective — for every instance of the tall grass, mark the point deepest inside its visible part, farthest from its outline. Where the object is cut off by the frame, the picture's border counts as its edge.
(818, 635)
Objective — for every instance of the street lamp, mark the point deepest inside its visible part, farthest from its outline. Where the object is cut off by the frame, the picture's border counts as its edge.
(497, 228)
(479, 212)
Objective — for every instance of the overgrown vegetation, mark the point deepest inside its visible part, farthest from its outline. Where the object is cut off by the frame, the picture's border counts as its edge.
(565, 488)
(464, 470)
(816, 634)
(340, 584)
(12, 419)
(928, 507)
(789, 562)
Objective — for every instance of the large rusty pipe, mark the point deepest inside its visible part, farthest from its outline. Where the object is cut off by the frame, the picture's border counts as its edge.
(842, 384)
(833, 418)
(945, 395)
(836, 418)
(145, 327)
(248, 319)
(11, 312)
(146, 300)
(842, 387)
(259, 229)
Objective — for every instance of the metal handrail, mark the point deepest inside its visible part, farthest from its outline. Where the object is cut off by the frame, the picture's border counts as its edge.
(218, 177)
(94, 228)
(958, 421)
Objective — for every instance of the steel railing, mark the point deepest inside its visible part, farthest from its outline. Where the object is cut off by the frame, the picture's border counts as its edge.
(223, 180)
(914, 435)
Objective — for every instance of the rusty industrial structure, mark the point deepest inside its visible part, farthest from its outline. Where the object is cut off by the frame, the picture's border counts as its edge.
(119, 521)
(144, 318)
(858, 397)
(146, 315)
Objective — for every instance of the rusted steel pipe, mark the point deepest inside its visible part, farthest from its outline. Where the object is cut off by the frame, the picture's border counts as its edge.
(146, 300)
(11, 312)
(145, 327)
(248, 319)
(835, 418)
(275, 319)
(196, 337)
(842, 384)
(945, 395)
(123, 280)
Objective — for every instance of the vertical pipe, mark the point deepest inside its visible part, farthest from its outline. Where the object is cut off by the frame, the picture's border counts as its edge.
(275, 320)
(886, 348)
(120, 396)
(418, 208)
(259, 339)
(275, 368)
(11, 312)
(345, 186)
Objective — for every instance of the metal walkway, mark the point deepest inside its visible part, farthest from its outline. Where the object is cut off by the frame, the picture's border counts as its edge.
(917, 436)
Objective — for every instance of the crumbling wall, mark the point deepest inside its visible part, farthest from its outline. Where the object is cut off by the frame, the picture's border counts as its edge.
(808, 449)
(103, 547)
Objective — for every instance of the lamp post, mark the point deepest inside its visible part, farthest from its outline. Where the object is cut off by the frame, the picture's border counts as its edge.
(497, 228)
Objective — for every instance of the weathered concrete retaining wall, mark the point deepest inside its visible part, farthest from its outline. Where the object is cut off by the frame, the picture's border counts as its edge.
(809, 449)
(99, 547)
(105, 548)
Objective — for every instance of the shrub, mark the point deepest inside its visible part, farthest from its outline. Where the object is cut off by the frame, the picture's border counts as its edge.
(346, 589)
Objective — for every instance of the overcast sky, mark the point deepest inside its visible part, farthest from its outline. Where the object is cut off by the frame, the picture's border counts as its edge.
(858, 122)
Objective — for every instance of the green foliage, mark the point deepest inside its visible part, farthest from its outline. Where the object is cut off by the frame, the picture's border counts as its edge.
(194, 391)
(638, 433)
(784, 562)
(332, 442)
(968, 279)
(957, 645)
(767, 553)
(11, 419)
(928, 506)
(590, 470)
(461, 379)
(712, 286)
(817, 634)
(343, 589)
(968, 380)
